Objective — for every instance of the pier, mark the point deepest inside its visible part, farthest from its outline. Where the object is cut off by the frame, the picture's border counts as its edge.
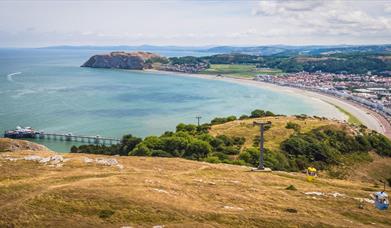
(78, 138)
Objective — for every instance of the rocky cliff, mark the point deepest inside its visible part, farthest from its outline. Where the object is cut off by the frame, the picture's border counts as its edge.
(122, 60)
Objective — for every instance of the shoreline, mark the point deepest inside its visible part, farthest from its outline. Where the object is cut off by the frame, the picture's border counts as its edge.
(369, 118)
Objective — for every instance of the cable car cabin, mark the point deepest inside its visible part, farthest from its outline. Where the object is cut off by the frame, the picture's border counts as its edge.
(311, 174)
(381, 200)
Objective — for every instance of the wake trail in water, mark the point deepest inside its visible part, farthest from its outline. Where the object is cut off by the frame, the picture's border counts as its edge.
(10, 76)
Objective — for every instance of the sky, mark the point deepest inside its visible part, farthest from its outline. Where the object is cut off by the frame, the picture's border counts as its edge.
(33, 23)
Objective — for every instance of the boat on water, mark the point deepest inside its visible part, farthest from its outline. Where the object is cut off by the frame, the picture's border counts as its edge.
(20, 132)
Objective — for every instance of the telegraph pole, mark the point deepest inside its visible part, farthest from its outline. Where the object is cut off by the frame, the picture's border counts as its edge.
(198, 120)
(262, 126)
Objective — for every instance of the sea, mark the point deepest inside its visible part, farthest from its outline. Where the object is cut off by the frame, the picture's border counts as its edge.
(46, 89)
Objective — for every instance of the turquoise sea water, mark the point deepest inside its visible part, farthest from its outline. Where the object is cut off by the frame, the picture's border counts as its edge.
(47, 90)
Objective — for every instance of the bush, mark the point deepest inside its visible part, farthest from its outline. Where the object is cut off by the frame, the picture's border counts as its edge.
(191, 128)
(235, 162)
(257, 113)
(380, 143)
(105, 213)
(128, 143)
(74, 149)
(219, 120)
(141, 150)
(220, 155)
(228, 141)
(231, 150)
(153, 142)
(239, 140)
(294, 126)
(160, 153)
(269, 113)
(212, 159)
(231, 118)
(330, 146)
(250, 156)
(197, 150)
(291, 187)
(175, 145)
(243, 117)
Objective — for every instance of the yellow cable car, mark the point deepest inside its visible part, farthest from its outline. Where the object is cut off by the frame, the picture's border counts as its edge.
(311, 174)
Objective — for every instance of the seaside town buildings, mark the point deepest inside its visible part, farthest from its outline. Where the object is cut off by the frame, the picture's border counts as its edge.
(370, 90)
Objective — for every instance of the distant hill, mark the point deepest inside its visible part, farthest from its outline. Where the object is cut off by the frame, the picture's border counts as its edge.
(300, 50)
(253, 50)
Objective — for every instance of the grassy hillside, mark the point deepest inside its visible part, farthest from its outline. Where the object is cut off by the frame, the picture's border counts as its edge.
(238, 70)
(173, 192)
(275, 135)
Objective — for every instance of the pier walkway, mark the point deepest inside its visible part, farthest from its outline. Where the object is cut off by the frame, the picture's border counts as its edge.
(77, 138)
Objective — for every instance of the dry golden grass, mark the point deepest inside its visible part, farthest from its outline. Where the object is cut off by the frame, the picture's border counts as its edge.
(275, 135)
(172, 192)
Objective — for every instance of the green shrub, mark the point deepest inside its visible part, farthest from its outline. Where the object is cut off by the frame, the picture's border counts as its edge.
(257, 113)
(105, 213)
(243, 117)
(141, 150)
(197, 150)
(294, 126)
(231, 118)
(220, 155)
(250, 156)
(269, 113)
(231, 150)
(212, 159)
(128, 143)
(380, 143)
(219, 120)
(291, 187)
(160, 153)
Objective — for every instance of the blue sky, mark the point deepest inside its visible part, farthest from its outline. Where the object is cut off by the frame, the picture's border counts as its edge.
(193, 23)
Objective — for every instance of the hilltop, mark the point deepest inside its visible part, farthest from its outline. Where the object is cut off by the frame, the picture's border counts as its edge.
(122, 60)
(146, 191)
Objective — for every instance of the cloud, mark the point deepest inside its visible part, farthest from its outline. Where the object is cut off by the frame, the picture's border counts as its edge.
(285, 6)
(179, 22)
(331, 18)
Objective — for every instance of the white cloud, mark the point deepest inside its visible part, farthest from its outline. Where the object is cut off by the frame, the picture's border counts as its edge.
(189, 23)
(285, 6)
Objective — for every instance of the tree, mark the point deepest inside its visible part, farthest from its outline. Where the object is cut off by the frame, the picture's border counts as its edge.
(197, 150)
(218, 120)
(153, 142)
(174, 145)
(269, 113)
(231, 118)
(74, 149)
(128, 143)
(243, 117)
(186, 127)
(250, 156)
(257, 113)
(141, 150)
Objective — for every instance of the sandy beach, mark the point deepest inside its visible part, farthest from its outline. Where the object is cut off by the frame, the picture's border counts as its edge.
(368, 117)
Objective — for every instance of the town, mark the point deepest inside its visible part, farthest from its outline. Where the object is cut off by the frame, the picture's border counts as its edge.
(372, 91)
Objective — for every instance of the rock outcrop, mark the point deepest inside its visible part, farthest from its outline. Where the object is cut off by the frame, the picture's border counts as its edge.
(13, 145)
(122, 60)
